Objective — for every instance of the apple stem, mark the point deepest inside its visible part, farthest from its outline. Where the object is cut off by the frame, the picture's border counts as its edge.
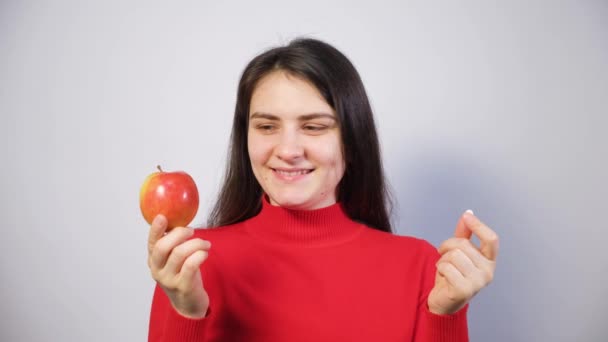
(159, 169)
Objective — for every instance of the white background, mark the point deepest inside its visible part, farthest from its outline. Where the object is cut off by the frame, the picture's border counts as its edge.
(495, 106)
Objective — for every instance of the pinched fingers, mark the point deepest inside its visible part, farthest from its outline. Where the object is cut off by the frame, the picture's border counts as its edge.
(488, 238)
(463, 268)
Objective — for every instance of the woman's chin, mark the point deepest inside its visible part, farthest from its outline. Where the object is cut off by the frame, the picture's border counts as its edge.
(288, 203)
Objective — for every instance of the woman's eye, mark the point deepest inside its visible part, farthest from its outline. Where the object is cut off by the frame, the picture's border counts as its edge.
(265, 128)
(314, 128)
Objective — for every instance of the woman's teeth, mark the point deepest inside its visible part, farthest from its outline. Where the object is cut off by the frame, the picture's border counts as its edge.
(293, 173)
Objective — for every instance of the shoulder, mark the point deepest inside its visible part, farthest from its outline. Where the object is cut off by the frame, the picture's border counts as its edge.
(407, 257)
(228, 243)
(399, 243)
(227, 232)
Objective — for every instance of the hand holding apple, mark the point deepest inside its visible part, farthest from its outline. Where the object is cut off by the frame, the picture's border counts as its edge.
(172, 194)
(175, 259)
(168, 202)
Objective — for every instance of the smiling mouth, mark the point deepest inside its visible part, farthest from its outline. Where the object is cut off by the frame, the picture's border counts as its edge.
(292, 173)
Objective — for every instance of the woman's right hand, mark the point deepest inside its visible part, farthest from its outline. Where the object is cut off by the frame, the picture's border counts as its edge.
(174, 261)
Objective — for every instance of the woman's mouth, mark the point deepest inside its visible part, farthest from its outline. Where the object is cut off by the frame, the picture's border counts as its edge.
(291, 174)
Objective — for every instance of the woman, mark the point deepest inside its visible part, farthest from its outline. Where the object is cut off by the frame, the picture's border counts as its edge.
(302, 244)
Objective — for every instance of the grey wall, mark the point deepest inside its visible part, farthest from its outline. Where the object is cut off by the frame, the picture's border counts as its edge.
(499, 107)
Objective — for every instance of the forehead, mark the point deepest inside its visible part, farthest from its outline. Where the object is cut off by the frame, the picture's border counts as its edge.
(283, 94)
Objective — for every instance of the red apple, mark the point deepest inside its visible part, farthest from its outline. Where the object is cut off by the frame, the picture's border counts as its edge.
(173, 194)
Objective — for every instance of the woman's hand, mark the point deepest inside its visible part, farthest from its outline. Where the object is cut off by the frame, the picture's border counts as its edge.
(463, 269)
(174, 260)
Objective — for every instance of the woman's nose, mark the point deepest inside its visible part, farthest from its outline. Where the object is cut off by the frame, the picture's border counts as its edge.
(289, 147)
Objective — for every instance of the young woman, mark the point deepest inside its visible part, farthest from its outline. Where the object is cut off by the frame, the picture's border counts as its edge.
(302, 244)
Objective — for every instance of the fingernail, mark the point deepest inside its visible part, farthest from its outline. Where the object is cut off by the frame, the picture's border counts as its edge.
(157, 220)
(470, 211)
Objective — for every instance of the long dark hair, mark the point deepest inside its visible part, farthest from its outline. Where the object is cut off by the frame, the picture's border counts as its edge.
(362, 190)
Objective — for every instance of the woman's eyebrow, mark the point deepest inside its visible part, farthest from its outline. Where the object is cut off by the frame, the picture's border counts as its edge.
(316, 116)
(258, 115)
(304, 117)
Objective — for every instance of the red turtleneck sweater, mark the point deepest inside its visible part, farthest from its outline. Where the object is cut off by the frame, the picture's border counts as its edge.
(288, 275)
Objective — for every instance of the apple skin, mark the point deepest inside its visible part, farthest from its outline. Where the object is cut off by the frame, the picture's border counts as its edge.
(173, 194)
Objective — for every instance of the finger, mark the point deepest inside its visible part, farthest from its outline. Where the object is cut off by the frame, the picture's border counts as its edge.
(487, 237)
(192, 264)
(451, 243)
(452, 275)
(461, 261)
(157, 230)
(484, 272)
(467, 247)
(182, 252)
(163, 247)
(461, 230)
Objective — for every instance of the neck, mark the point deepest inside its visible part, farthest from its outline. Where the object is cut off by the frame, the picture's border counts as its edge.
(317, 227)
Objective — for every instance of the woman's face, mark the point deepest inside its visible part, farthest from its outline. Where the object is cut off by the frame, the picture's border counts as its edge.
(294, 143)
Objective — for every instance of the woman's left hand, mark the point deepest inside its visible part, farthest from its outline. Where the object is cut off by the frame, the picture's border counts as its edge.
(463, 268)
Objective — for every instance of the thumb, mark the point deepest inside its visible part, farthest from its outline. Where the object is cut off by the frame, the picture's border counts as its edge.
(157, 230)
(461, 230)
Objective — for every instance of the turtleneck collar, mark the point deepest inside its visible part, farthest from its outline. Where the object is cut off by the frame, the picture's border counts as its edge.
(317, 227)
